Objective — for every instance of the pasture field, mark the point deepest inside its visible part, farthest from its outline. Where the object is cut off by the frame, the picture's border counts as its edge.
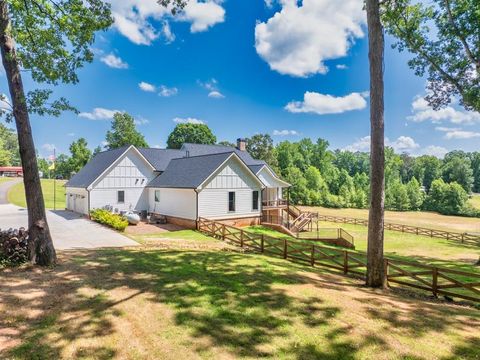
(16, 195)
(413, 218)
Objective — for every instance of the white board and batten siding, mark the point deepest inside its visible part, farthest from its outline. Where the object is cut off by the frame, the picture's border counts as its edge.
(231, 177)
(181, 203)
(130, 174)
(77, 200)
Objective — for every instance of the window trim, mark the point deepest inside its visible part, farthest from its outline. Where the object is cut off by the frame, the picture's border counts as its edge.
(233, 201)
(118, 196)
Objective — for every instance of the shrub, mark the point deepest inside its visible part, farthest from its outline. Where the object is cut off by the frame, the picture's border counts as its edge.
(105, 217)
(13, 247)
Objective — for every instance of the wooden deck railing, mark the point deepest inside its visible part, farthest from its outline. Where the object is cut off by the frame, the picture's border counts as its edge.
(462, 237)
(435, 280)
(274, 203)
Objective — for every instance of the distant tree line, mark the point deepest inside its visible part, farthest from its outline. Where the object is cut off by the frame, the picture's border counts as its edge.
(320, 176)
(340, 179)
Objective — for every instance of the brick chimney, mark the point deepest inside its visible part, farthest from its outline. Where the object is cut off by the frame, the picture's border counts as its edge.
(241, 144)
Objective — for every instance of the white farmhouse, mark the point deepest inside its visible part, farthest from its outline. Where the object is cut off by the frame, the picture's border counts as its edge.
(196, 181)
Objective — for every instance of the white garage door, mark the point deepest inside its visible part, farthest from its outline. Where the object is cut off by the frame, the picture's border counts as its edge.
(79, 205)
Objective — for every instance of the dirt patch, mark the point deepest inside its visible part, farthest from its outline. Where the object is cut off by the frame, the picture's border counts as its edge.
(144, 228)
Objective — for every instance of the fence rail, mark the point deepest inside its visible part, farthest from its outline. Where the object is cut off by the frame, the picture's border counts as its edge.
(435, 280)
(462, 237)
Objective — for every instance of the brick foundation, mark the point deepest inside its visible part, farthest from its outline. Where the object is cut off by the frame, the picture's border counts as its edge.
(241, 222)
(186, 223)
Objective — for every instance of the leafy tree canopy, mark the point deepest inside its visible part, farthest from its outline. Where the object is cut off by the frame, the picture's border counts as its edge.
(190, 133)
(124, 132)
(443, 37)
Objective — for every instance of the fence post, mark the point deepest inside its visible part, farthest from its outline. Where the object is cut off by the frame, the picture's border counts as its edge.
(463, 238)
(284, 248)
(223, 232)
(241, 238)
(212, 231)
(435, 282)
(262, 243)
(312, 260)
(345, 262)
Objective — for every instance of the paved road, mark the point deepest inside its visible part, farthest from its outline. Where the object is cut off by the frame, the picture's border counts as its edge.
(4, 187)
(69, 230)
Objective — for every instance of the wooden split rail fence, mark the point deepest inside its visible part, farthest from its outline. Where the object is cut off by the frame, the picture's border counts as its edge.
(462, 237)
(435, 280)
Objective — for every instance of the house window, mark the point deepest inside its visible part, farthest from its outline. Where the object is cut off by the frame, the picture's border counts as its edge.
(255, 200)
(121, 197)
(157, 196)
(231, 201)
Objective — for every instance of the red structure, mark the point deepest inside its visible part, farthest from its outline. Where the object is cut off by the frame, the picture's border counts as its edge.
(11, 171)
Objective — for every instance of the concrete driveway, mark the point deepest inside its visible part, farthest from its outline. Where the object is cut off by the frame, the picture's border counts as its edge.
(69, 230)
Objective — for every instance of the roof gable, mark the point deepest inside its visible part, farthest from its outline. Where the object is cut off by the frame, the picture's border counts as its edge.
(192, 172)
(160, 158)
(203, 149)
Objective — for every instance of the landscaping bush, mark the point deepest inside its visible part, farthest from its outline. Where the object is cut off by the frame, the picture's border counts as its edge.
(105, 217)
(13, 247)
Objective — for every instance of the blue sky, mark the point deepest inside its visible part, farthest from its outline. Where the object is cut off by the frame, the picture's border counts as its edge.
(289, 69)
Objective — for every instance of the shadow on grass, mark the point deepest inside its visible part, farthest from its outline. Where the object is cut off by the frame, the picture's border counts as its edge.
(235, 301)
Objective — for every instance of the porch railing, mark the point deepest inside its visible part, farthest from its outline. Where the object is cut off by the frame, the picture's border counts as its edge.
(274, 203)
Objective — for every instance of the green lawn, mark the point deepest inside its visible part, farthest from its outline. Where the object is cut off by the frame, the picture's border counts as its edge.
(170, 304)
(174, 235)
(5, 179)
(408, 247)
(16, 195)
(414, 218)
(475, 201)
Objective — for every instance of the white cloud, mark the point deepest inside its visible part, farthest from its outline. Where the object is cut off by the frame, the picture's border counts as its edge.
(48, 147)
(137, 19)
(402, 144)
(146, 86)
(216, 95)
(284, 132)
(5, 103)
(421, 112)
(99, 114)
(299, 39)
(362, 144)
(105, 143)
(327, 104)
(114, 61)
(457, 133)
(341, 67)
(188, 120)
(167, 33)
(71, 134)
(167, 92)
(433, 150)
(140, 120)
(203, 15)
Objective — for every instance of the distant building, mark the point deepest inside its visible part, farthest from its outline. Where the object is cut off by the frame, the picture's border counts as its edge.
(11, 171)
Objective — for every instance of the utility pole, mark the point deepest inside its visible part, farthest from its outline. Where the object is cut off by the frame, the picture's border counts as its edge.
(54, 180)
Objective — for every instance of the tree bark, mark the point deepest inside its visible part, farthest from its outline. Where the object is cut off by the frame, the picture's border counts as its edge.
(41, 250)
(375, 261)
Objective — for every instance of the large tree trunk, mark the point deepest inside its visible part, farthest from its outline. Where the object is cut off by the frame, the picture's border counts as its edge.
(41, 250)
(375, 261)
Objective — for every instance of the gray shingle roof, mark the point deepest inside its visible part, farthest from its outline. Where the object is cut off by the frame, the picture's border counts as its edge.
(256, 168)
(189, 172)
(160, 158)
(95, 168)
(202, 149)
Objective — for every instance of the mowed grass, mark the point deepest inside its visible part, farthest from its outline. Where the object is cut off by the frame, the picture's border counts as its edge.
(172, 235)
(408, 247)
(5, 179)
(170, 304)
(16, 195)
(475, 201)
(414, 218)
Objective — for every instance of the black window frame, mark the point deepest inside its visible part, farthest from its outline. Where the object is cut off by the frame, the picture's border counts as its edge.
(231, 201)
(122, 201)
(255, 199)
(157, 199)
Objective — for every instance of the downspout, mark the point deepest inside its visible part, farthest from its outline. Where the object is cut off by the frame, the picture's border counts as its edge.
(88, 203)
(196, 209)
